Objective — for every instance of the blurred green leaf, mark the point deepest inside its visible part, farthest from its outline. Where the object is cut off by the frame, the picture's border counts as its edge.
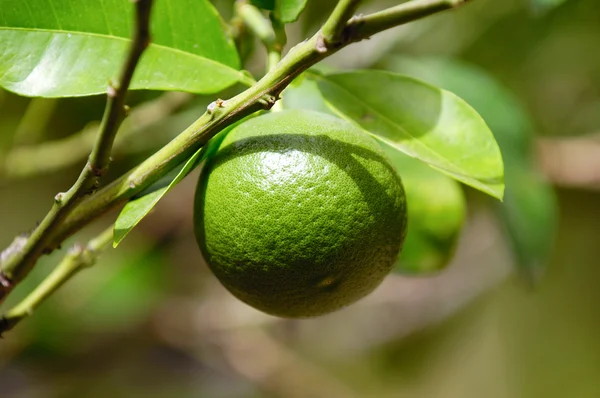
(58, 48)
(530, 217)
(436, 214)
(427, 123)
(289, 10)
(530, 209)
(264, 4)
(139, 207)
(127, 296)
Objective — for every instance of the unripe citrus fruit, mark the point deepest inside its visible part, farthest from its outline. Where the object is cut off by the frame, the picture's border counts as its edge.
(299, 213)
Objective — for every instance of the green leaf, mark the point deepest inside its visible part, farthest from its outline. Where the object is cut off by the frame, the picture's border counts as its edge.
(436, 214)
(135, 291)
(303, 93)
(498, 107)
(58, 48)
(264, 4)
(530, 208)
(289, 10)
(423, 121)
(139, 207)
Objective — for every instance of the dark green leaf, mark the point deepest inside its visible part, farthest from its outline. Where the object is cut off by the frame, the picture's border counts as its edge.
(136, 285)
(57, 48)
(530, 208)
(264, 4)
(436, 213)
(139, 207)
(425, 122)
(530, 216)
(289, 10)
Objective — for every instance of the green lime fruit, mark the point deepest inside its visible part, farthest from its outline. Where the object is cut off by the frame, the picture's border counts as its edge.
(299, 213)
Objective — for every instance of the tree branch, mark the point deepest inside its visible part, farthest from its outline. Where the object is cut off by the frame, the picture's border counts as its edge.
(262, 95)
(78, 258)
(17, 266)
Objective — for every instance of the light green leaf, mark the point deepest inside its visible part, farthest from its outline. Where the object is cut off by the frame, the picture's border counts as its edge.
(498, 107)
(289, 10)
(303, 93)
(530, 208)
(139, 207)
(423, 121)
(436, 214)
(58, 48)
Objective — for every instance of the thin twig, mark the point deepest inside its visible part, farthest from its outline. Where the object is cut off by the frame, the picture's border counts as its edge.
(256, 22)
(271, 34)
(17, 266)
(262, 95)
(333, 29)
(78, 258)
(367, 25)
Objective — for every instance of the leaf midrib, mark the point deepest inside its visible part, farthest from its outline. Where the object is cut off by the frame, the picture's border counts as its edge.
(393, 123)
(119, 38)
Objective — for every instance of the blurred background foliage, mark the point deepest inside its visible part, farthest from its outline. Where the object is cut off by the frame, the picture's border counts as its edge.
(149, 319)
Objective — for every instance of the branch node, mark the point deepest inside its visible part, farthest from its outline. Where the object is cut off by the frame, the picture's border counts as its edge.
(215, 105)
(268, 100)
(321, 46)
(112, 90)
(5, 281)
(96, 171)
(77, 249)
(59, 198)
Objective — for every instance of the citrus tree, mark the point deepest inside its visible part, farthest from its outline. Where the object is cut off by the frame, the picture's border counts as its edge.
(403, 119)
